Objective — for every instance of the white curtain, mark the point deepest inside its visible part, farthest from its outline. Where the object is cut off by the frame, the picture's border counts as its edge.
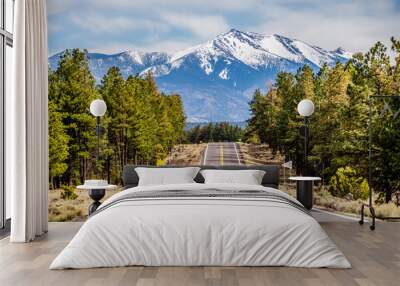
(27, 123)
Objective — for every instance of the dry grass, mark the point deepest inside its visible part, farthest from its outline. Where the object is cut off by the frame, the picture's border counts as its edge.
(259, 154)
(71, 210)
(76, 210)
(387, 210)
(191, 154)
(186, 154)
(324, 199)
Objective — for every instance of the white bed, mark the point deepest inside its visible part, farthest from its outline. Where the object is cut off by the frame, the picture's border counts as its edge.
(202, 231)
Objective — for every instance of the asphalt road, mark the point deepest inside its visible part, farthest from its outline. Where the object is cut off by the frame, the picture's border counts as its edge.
(227, 153)
(223, 153)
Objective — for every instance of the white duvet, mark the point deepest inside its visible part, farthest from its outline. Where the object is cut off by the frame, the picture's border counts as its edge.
(200, 231)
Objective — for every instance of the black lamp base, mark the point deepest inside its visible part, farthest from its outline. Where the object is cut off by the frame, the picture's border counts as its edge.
(304, 193)
(96, 195)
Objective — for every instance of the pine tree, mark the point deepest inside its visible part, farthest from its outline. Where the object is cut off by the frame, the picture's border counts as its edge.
(58, 145)
(119, 106)
(328, 126)
(73, 88)
(259, 118)
(143, 121)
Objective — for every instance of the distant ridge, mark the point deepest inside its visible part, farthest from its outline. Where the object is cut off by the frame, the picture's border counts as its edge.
(216, 79)
(190, 125)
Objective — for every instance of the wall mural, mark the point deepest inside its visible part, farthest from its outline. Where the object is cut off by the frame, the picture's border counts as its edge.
(218, 82)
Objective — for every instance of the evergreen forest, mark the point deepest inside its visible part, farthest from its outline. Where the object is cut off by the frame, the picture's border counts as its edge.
(140, 126)
(339, 135)
(214, 132)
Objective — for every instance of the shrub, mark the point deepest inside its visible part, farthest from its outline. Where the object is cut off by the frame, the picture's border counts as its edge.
(253, 139)
(160, 162)
(68, 193)
(364, 189)
(347, 181)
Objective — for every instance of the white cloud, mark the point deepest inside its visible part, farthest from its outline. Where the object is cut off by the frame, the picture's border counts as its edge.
(203, 26)
(60, 6)
(99, 24)
(175, 24)
(174, 5)
(161, 46)
(355, 25)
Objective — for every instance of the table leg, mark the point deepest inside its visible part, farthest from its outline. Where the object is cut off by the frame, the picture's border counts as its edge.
(304, 193)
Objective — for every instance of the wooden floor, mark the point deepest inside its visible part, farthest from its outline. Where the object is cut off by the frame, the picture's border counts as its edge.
(375, 257)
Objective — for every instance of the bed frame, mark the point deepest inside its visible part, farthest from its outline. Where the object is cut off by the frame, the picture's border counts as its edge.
(271, 178)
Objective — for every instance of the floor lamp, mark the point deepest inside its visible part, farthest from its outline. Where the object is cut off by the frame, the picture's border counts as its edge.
(98, 108)
(305, 109)
(96, 188)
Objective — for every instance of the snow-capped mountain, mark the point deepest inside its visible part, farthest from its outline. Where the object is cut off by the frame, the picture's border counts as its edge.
(216, 79)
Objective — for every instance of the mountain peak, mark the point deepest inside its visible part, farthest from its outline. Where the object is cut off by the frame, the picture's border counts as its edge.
(342, 52)
(240, 33)
(218, 76)
(339, 50)
(233, 30)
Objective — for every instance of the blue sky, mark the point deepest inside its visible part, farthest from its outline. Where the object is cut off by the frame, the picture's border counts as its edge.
(111, 26)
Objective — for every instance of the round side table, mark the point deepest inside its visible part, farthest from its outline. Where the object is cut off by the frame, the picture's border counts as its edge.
(96, 193)
(304, 190)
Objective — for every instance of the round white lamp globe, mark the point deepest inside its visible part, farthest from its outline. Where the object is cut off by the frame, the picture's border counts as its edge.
(305, 107)
(98, 107)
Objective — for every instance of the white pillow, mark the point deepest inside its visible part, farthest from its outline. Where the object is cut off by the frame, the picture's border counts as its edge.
(166, 176)
(248, 177)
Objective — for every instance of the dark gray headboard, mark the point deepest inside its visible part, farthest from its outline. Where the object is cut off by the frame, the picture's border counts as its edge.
(271, 177)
